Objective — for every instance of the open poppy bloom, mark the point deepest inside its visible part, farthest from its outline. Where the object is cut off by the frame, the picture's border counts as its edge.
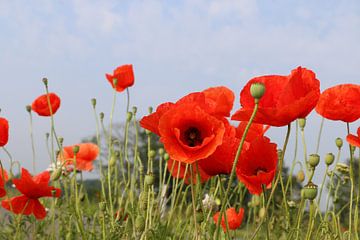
(88, 152)
(257, 164)
(192, 128)
(286, 98)
(4, 132)
(234, 219)
(3, 179)
(32, 189)
(340, 102)
(124, 75)
(354, 140)
(41, 105)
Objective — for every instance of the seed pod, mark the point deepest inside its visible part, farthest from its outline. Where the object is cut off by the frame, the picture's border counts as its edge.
(166, 157)
(257, 90)
(329, 159)
(300, 177)
(339, 142)
(314, 160)
(302, 123)
(309, 191)
(161, 151)
(152, 153)
(149, 179)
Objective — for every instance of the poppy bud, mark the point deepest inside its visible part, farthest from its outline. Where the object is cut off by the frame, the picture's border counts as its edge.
(140, 223)
(150, 109)
(112, 161)
(56, 174)
(300, 177)
(76, 149)
(218, 201)
(257, 90)
(101, 116)
(28, 108)
(45, 81)
(314, 160)
(61, 140)
(309, 191)
(152, 154)
(329, 159)
(149, 179)
(199, 216)
(134, 109)
(128, 116)
(352, 148)
(339, 142)
(166, 156)
(115, 82)
(93, 102)
(262, 213)
(143, 200)
(161, 151)
(302, 123)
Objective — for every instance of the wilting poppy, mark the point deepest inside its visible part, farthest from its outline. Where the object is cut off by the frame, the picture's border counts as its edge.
(192, 128)
(124, 75)
(3, 179)
(234, 218)
(32, 189)
(41, 104)
(354, 140)
(88, 152)
(286, 98)
(257, 164)
(4, 132)
(340, 102)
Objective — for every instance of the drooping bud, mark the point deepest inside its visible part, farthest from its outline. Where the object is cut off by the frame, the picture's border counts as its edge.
(129, 116)
(329, 159)
(309, 191)
(339, 142)
(257, 90)
(93, 102)
(314, 160)
(300, 177)
(302, 123)
(28, 108)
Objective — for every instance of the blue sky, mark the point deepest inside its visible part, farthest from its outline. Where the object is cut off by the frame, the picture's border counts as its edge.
(176, 47)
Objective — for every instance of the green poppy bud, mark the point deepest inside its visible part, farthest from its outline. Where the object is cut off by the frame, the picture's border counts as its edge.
(149, 179)
(166, 157)
(257, 90)
(309, 191)
(45, 81)
(76, 149)
(329, 159)
(300, 177)
(143, 201)
(28, 108)
(314, 160)
(93, 102)
(150, 109)
(352, 149)
(134, 109)
(339, 142)
(302, 123)
(161, 151)
(152, 154)
(101, 116)
(112, 160)
(115, 82)
(61, 140)
(129, 116)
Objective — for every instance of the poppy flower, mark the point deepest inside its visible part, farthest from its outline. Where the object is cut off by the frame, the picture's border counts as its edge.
(41, 104)
(257, 164)
(286, 98)
(3, 179)
(32, 189)
(88, 152)
(340, 102)
(177, 169)
(354, 140)
(192, 128)
(124, 75)
(234, 218)
(4, 132)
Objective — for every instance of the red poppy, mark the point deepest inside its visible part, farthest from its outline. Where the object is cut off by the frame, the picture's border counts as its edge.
(193, 127)
(354, 140)
(257, 164)
(124, 75)
(4, 132)
(178, 170)
(32, 189)
(340, 102)
(41, 104)
(3, 179)
(286, 98)
(254, 131)
(234, 219)
(88, 152)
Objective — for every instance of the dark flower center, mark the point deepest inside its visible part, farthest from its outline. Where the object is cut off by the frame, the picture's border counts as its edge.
(192, 137)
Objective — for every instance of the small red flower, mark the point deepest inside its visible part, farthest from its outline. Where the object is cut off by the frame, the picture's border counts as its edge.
(192, 128)
(88, 152)
(4, 132)
(354, 140)
(340, 102)
(3, 179)
(32, 189)
(41, 104)
(286, 98)
(124, 75)
(234, 219)
(257, 164)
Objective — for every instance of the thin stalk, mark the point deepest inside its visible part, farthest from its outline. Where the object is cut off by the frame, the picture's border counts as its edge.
(352, 184)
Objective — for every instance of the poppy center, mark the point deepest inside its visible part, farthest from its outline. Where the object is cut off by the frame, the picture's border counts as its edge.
(192, 137)
(259, 170)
